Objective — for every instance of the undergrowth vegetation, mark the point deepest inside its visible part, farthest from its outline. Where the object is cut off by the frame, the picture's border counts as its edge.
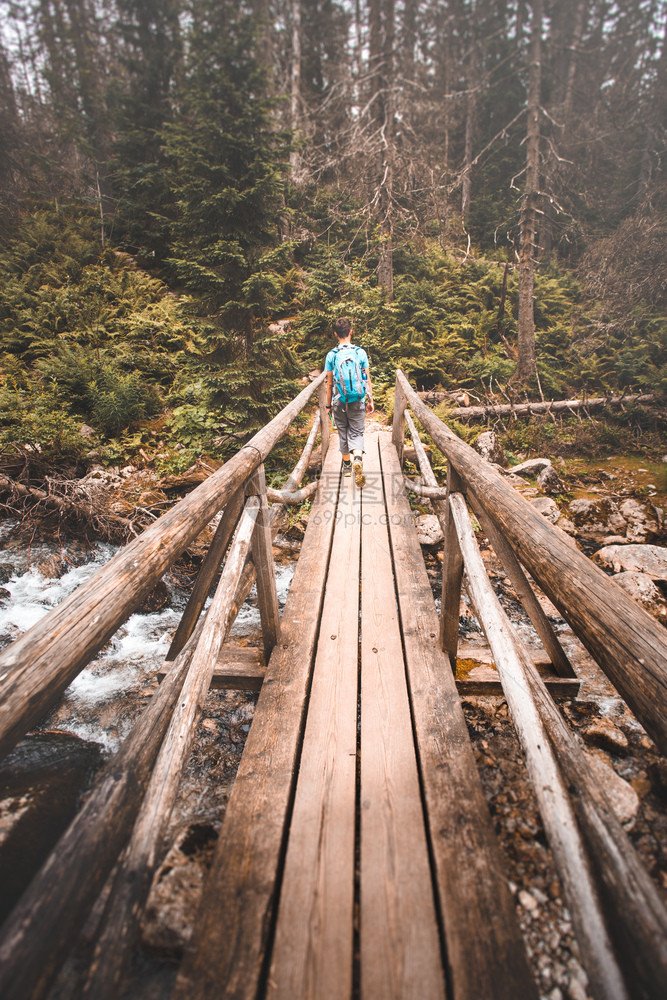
(90, 338)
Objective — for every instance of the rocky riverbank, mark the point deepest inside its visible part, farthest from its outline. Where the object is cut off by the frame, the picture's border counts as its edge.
(618, 520)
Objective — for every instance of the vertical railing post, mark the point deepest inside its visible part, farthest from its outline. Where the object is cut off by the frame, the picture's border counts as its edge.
(398, 425)
(262, 554)
(452, 576)
(325, 427)
(207, 572)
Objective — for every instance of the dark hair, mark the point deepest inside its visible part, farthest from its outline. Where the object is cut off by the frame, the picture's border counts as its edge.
(342, 327)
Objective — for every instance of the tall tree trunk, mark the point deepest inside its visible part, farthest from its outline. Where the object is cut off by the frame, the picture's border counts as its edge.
(381, 54)
(471, 112)
(295, 104)
(526, 366)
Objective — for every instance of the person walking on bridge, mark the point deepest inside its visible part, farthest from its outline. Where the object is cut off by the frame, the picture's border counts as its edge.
(349, 396)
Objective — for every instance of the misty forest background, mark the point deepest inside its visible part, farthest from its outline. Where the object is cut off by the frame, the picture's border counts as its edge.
(479, 184)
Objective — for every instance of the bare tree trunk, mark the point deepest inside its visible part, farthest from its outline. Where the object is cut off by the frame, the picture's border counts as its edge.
(471, 112)
(527, 366)
(381, 52)
(295, 105)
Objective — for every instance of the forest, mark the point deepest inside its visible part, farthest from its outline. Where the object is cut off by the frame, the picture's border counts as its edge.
(191, 191)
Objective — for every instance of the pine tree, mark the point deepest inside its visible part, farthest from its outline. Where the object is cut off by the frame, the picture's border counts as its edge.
(226, 168)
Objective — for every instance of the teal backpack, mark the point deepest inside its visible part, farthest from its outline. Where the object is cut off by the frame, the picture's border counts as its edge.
(347, 374)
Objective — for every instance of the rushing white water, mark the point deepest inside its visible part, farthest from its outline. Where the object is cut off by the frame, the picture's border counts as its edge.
(103, 701)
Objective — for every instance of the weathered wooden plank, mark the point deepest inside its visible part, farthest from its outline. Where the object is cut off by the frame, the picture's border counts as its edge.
(239, 667)
(399, 937)
(262, 557)
(636, 914)
(398, 426)
(37, 936)
(36, 669)
(558, 687)
(452, 582)
(325, 428)
(452, 563)
(627, 642)
(605, 978)
(234, 920)
(206, 575)
(524, 591)
(485, 952)
(134, 874)
(312, 951)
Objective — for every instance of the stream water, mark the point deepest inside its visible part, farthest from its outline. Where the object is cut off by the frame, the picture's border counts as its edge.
(43, 780)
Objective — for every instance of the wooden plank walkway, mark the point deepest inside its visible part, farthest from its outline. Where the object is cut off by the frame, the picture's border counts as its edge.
(356, 857)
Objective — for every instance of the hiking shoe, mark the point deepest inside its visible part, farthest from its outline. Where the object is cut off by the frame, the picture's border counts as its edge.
(358, 468)
(347, 468)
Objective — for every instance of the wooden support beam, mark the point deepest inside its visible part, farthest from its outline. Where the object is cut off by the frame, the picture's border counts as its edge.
(206, 575)
(37, 937)
(398, 425)
(523, 589)
(262, 557)
(452, 580)
(282, 496)
(325, 427)
(517, 576)
(605, 978)
(627, 642)
(635, 912)
(483, 943)
(36, 669)
(134, 874)
(227, 950)
(238, 668)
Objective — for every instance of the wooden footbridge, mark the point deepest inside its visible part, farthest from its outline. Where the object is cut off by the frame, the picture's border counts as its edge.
(356, 858)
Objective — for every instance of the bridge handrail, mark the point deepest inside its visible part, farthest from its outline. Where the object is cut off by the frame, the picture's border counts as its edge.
(37, 667)
(626, 641)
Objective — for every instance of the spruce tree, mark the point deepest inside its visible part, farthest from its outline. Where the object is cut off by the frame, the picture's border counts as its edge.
(227, 163)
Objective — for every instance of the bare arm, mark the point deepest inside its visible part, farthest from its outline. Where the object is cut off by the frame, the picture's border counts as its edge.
(329, 387)
(369, 392)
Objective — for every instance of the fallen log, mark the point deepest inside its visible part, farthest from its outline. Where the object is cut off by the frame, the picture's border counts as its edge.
(528, 409)
(78, 508)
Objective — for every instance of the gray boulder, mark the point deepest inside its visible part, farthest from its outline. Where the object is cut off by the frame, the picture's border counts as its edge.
(429, 531)
(488, 446)
(641, 520)
(649, 559)
(595, 520)
(642, 589)
(532, 467)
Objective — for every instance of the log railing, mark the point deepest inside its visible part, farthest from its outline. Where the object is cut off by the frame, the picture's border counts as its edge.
(138, 786)
(618, 916)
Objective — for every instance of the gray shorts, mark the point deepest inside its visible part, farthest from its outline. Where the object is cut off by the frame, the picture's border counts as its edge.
(350, 419)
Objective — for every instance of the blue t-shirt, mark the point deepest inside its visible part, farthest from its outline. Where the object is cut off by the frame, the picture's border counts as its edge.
(330, 365)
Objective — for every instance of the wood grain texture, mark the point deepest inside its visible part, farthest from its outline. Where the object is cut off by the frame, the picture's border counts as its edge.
(262, 557)
(524, 591)
(605, 978)
(132, 880)
(234, 919)
(36, 669)
(312, 953)
(485, 951)
(399, 937)
(38, 935)
(206, 575)
(452, 581)
(629, 645)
